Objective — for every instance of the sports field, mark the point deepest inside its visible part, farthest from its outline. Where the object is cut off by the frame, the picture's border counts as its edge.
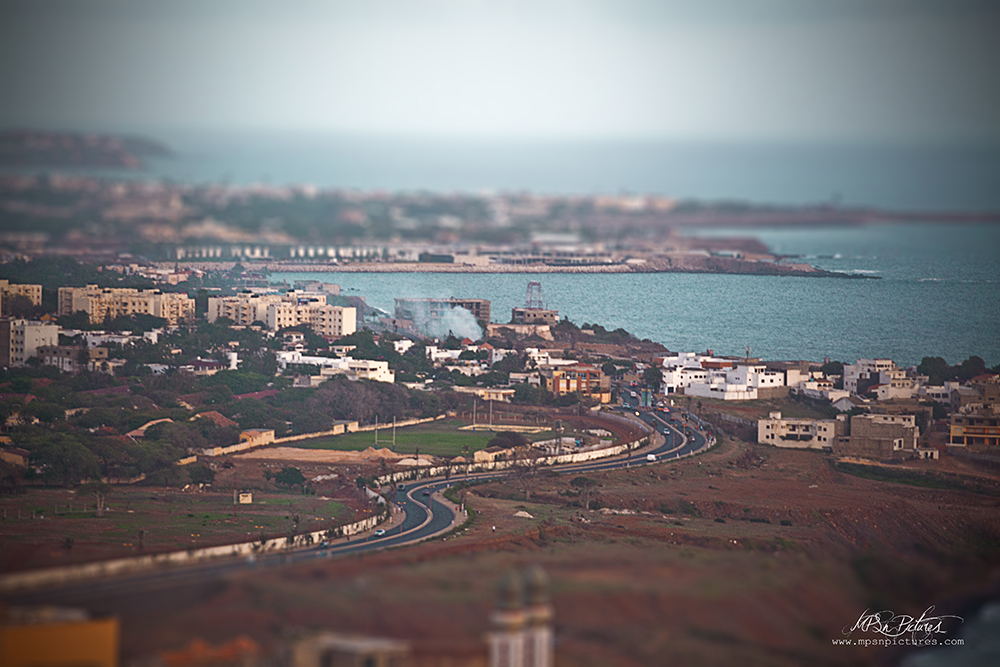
(437, 439)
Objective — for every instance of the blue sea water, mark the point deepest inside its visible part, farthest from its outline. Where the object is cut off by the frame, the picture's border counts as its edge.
(937, 294)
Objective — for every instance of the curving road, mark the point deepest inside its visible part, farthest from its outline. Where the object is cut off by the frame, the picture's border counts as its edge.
(424, 516)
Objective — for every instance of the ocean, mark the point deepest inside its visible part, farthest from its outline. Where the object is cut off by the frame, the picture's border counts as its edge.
(937, 289)
(937, 293)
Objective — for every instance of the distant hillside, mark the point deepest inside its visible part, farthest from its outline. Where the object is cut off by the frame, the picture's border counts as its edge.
(70, 149)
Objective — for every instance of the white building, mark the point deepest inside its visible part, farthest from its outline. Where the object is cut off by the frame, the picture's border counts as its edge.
(20, 340)
(882, 376)
(710, 377)
(354, 369)
(281, 311)
(799, 433)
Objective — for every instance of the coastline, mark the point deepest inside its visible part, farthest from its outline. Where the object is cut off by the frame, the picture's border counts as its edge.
(729, 266)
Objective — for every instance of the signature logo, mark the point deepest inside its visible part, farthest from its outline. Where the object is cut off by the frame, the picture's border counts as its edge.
(891, 624)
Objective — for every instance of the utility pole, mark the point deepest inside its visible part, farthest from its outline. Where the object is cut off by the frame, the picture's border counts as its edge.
(473, 414)
(376, 431)
(393, 434)
(491, 416)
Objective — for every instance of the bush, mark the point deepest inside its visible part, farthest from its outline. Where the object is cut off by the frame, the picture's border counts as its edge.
(786, 522)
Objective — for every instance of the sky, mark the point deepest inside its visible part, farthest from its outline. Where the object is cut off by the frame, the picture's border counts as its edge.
(743, 70)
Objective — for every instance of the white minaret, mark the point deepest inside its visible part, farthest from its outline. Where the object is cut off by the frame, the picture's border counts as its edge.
(538, 651)
(506, 641)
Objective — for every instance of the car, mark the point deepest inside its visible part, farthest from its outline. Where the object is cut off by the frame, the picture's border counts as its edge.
(426, 492)
(400, 487)
(380, 532)
(651, 457)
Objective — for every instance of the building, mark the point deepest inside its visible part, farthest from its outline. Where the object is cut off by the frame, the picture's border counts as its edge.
(534, 316)
(72, 359)
(20, 340)
(707, 376)
(799, 433)
(15, 456)
(334, 650)
(57, 637)
(283, 311)
(354, 369)
(101, 303)
(31, 292)
(488, 393)
(981, 427)
(882, 379)
(522, 621)
(880, 437)
(583, 379)
(431, 310)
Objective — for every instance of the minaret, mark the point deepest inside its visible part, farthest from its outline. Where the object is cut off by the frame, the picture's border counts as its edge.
(538, 619)
(507, 638)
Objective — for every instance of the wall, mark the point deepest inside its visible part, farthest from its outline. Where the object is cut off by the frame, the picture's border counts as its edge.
(18, 580)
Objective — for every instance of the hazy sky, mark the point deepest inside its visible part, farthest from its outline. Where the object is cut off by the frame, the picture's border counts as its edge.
(894, 70)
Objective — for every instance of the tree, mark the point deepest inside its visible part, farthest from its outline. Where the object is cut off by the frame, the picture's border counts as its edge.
(832, 368)
(200, 473)
(99, 490)
(936, 369)
(970, 368)
(652, 377)
(18, 306)
(66, 461)
(289, 477)
(585, 485)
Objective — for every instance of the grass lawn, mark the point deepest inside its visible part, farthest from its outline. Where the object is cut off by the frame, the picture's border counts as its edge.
(440, 443)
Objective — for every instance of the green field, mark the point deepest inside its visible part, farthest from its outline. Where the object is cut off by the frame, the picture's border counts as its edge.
(437, 439)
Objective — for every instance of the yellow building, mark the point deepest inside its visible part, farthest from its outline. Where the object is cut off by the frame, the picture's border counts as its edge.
(32, 292)
(981, 427)
(583, 379)
(110, 302)
(52, 637)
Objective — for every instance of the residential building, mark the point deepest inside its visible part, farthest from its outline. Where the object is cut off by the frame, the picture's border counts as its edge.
(57, 637)
(799, 433)
(879, 437)
(15, 456)
(31, 292)
(488, 393)
(354, 369)
(981, 427)
(882, 379)
(20, 340)
(101, 303)
(725, 379)
(586, 380)
(283, 311)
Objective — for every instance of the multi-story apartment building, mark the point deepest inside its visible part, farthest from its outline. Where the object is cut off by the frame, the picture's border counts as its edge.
(881, 377)
(21, 339)
(980, 427)
(725, 379)
(281, 311)
(32, 292)
(579, 378)
(101, 303)
(799, 433)
(242, 309)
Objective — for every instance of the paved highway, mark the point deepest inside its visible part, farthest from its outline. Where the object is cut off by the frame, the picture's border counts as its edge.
(425, 515)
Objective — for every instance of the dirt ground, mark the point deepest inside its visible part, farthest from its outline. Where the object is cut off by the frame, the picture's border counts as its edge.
(746, 555)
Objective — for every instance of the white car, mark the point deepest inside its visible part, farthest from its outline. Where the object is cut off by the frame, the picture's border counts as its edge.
(380, 532)
(651, 457)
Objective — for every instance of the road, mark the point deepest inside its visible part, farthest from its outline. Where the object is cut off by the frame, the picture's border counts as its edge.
(425, 516)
